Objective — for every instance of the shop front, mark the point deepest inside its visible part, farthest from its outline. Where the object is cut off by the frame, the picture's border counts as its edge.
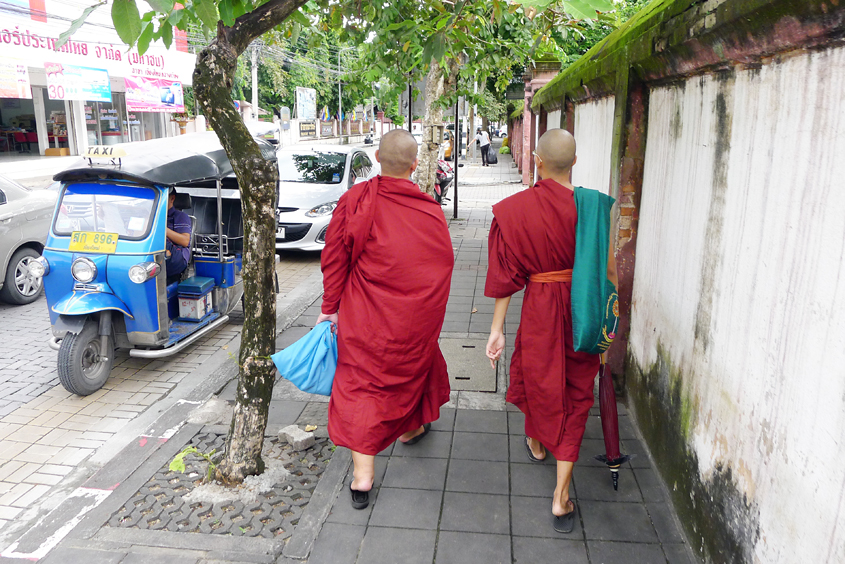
(87, 92)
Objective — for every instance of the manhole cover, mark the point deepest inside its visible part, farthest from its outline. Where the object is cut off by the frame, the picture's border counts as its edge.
(469, 368)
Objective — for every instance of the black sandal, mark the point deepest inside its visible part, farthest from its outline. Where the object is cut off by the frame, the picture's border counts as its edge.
(418, 438)
(531, 456)
(565, 523)
(360, 500)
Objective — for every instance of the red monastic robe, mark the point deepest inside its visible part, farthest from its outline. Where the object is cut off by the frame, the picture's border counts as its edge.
(391, 376)
(533, 232)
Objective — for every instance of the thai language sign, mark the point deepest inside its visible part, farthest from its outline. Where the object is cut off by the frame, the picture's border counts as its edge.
(14, 80)
(154, 95)
(69, 82)
(306, 103)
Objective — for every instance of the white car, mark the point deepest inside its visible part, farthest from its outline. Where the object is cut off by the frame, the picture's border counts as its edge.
(311, 181)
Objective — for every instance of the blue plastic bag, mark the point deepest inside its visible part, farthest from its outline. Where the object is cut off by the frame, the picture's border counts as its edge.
(310, 362)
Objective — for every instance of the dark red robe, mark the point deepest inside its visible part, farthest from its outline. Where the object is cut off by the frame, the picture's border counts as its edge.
(391, 376)
(533, 232)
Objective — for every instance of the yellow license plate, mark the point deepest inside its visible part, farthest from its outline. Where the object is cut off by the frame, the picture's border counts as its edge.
(93, 242)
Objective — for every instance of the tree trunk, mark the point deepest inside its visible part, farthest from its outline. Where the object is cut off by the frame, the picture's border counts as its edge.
(257, 178)
(437, 84)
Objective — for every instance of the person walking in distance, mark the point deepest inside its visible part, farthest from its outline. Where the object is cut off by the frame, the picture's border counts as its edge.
(386, 268)
(483, 140)
(532, 246)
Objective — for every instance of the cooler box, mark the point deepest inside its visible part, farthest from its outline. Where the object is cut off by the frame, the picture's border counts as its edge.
(195, 298)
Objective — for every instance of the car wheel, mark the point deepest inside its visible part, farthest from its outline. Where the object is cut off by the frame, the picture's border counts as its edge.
(82, 368)
(20, 286)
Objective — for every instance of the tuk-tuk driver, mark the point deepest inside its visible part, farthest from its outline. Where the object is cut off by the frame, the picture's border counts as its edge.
(177, 248)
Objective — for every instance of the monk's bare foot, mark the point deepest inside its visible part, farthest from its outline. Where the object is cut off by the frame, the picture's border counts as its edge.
(362, 485)
(562, 506)
(537, 448)
(411, 434)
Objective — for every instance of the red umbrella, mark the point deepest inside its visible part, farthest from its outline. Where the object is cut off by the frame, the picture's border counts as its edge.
(610, 425)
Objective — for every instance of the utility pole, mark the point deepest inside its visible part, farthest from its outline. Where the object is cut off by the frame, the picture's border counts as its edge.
(456, 154)
(410, 108)
(255, 81)
(339, 103)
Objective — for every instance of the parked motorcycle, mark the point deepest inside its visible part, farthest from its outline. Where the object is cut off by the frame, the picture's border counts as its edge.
(445, 175)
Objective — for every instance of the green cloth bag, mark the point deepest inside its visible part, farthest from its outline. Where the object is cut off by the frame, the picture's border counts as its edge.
(595, 307)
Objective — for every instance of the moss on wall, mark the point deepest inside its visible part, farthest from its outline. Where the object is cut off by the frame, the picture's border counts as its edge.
(721, 523)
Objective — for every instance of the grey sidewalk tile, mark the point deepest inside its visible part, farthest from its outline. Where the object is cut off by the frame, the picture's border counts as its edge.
(292, 335)
(664, 523)
(475, 513)
(589, 449)
(455, 327)
(540, 551)
(476, 476)
(70, 555)
(602, 552)
(650, 485)
(636, 448)
(614, 521)
(532, 517)
(388, 546)
(416, 473)
(520, 454)
(343, 512)
(593, 429)
(473, 548)
(407, 509)
(387, 451)
(596, 484)
(284, 412)
(534, 480)
(446, 422)
(478, 421)
(161, 556)
(436, 444)
(469, 291)
(480, 446)
(337, 544)
(626, 428)
(380, 466)
(679, 554)
(516, 423)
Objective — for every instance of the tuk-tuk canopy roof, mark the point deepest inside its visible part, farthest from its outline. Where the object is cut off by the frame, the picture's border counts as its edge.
(172, 161)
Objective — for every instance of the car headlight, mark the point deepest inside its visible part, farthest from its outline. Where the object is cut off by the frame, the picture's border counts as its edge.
(141, 272)
(83, 270)
(39, 267)
(322, 209)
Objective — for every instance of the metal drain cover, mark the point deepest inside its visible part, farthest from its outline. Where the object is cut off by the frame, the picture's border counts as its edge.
(469, 368)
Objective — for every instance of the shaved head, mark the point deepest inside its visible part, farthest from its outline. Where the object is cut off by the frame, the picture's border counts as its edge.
(556, 148)
(397, 152)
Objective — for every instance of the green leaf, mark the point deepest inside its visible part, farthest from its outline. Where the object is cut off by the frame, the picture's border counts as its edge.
(178, 462)
(238, 8)
(579, 10)
(76, 24)
(300, 18)
(127, 20)
(175, 17)
(227, 12)
(145, 38)
(295, 30)
(601, 5)
(148, 17)
(207, 13)
(161, 6)
(166, 33)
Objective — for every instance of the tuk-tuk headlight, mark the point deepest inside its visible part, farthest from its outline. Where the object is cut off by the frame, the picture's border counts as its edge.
(39, 267)
(83, 270)
(142, 272)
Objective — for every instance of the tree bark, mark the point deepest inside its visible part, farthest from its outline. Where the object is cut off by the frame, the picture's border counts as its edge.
(257, 178)
(437, 84)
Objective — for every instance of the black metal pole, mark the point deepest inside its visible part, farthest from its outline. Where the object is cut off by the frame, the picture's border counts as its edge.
(410, 108)
(456, 155)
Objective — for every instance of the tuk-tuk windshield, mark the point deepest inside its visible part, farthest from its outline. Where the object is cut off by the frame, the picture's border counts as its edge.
(106, 208)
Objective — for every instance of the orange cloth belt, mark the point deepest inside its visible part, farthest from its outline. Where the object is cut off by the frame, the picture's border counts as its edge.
(548, 277)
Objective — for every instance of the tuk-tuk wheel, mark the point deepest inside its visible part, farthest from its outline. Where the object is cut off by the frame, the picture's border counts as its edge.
(83, 366)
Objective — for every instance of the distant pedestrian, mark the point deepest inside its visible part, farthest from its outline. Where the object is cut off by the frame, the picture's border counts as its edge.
(532, 246)
(483, 140)
(387, 267)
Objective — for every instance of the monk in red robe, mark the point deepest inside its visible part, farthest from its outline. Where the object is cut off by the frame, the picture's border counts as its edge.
(532, 246)
(387, 267)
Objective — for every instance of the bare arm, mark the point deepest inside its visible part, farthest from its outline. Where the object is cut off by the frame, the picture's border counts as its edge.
(496, 342)
(181, 239)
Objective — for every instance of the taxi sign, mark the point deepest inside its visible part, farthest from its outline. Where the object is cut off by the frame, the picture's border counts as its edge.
(93, 242)
(105, 151)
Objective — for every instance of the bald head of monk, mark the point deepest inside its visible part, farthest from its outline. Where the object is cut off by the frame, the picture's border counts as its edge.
(555, 155)
(397, 154)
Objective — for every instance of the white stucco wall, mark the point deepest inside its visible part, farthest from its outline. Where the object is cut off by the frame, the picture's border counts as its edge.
(740, 279)
(594, 137)
(553, 120)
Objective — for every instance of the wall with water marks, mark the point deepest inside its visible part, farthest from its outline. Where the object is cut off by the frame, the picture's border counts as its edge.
(594, 137)
(736, 348)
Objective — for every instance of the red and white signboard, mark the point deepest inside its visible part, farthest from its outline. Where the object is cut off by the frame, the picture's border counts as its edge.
(154, 95)
(14, 80)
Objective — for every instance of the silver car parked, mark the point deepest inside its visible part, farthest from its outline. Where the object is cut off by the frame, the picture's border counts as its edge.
(24, 222)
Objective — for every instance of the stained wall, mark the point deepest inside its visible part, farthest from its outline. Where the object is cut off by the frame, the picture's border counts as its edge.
(594, 137)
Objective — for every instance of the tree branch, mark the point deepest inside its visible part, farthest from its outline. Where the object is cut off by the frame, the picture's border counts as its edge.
(257, 22)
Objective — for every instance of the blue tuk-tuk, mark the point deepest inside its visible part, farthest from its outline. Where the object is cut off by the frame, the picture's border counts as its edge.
(104, 262)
